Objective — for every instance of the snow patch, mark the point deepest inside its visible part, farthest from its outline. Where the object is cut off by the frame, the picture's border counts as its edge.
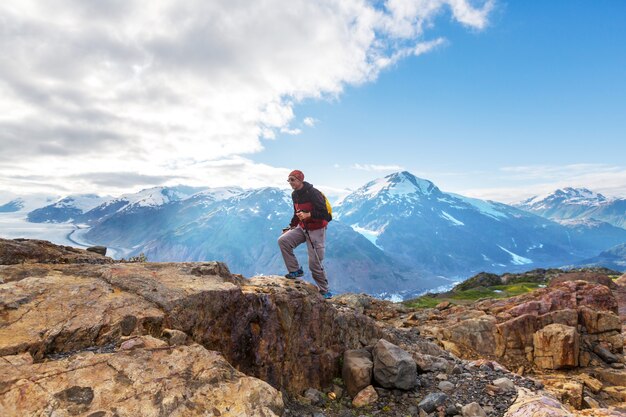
(451, 219)
(485, 207)
(371, 235)
(516, 259)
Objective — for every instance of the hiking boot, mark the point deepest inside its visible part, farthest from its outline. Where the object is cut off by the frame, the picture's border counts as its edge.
(295, 274)
(327, 295)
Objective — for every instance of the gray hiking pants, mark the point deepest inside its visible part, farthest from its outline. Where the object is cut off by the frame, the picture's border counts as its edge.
(290, 240)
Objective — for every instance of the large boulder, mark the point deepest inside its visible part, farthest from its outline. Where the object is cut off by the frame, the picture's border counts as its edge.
(62, 308)
(154, 381)
(394, 367)
(556, 346)
(280, 331)
(476, 335)
(357, 370)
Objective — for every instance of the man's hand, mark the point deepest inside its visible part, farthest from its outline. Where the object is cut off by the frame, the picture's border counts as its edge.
(303, 215)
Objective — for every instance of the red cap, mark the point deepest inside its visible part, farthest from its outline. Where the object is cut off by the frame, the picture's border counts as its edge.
(297, 174)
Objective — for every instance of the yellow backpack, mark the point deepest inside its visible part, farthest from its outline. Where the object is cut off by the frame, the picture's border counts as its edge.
(329, 208)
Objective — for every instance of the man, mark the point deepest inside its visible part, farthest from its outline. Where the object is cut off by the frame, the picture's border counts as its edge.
(308, 224)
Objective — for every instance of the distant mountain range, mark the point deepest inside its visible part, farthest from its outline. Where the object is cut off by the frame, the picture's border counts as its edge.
(396, 235)
(577, 204)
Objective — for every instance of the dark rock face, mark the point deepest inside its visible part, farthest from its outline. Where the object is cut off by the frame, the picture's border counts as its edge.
(102, 250)
(19, 251)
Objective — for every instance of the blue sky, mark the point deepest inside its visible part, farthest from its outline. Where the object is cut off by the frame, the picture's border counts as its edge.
(491, 99)
(535, 100)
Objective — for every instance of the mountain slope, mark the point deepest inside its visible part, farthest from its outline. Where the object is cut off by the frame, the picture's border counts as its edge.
(613, 258)
(243, 231)
(66, 209)
(415, 222)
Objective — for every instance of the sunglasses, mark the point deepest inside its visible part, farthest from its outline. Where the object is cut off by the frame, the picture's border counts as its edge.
(292, 179)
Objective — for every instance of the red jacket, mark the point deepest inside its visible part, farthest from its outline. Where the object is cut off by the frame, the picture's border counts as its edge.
(310, 199)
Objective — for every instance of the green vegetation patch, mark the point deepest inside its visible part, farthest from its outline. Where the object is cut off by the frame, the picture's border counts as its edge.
(496, 291)
(473, 294)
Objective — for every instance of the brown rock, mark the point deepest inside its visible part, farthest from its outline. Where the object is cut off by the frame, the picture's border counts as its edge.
(610, 376)
(186, 380)
(590, 382)
(276, 330)
(599, 321)
(476, 335)
(556, 346)
(365, 397)
(617, 393)
(28, 251)
(357, 370)
(443, 305)
(591, 277)
(80, 310)
(174, 337)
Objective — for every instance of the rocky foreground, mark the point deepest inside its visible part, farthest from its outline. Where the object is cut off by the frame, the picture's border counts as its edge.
(82, 335)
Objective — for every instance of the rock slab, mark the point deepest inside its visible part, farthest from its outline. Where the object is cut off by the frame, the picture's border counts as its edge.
(393, 366)
(148, 381)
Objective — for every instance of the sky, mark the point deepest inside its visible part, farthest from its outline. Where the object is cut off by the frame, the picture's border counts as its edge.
(491, 99)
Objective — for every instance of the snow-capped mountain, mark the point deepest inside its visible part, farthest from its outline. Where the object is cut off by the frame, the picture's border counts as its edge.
(416, 223)
(241, 228)
(577, 204)
(67, 209)
(26, 204)
(12, 206)
(394, 234)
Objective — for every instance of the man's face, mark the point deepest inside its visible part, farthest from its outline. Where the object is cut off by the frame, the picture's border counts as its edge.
(295, 183)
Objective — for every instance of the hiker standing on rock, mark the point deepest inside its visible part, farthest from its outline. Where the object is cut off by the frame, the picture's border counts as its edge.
(310, 218)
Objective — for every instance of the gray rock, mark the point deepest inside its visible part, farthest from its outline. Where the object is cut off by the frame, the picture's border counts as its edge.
(357, 370)
(452, 410)
(605, 354)
(394, 367)
(505, 384)
(432, 401)
(102, 250)
(316, 397)
(473, 410)
(446, 386)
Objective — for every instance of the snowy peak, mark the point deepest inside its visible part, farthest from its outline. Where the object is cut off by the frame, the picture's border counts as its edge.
(568, 195)
(153, 197)
(12, 206)
(398, 185)
(82, 202)
(218, 194)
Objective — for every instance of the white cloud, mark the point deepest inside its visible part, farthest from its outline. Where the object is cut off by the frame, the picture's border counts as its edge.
(136, 86)
(609, 180)
(374, 167)
(309, 121)
(290, 131)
